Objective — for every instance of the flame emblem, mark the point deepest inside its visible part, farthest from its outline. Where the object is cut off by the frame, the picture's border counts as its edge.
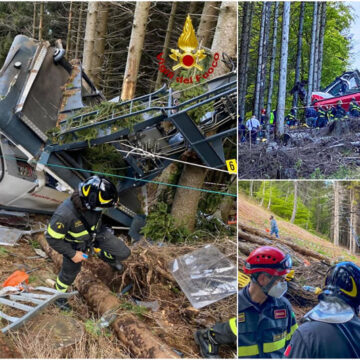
(188, 43)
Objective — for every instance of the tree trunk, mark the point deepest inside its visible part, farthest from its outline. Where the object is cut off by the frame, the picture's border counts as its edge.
(251, 187)
(192, 8)
(263, 194)
(355, 225)
(99, 44)
(165, 50)
(244, 55)
(299, 52)
(270, 193)
(312, 55)
(295, 202)
(41, 20)
(321, 44)
(135, 50)
(259, 237)
(256, 110)
(224, 40)
(265, 56)
(68, 37)
(89, 40)
(272, 65)
(336, 213)
(283, 70)
(132, 332)
(78, 32)
(316, 52)
(351, 221)
(207, 23)
(34, 21)
(184, 208)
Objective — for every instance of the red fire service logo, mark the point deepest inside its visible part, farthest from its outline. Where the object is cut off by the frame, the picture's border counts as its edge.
(187, 58)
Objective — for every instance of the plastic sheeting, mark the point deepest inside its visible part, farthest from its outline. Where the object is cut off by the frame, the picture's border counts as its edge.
(205, 276)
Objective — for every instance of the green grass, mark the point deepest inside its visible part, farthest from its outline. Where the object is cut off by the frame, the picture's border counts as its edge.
(135, 309)
(3, 251)
(34, 244)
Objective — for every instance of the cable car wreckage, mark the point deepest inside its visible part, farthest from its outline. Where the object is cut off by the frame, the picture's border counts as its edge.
(40, 90)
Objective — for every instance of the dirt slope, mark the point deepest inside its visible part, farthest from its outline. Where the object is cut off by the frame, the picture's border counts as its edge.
(254, 215)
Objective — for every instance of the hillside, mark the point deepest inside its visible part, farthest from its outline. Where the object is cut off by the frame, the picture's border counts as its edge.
(250, 213)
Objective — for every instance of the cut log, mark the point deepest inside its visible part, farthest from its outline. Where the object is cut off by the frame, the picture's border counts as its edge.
(7, 349)
(132, 332)
(263, 238)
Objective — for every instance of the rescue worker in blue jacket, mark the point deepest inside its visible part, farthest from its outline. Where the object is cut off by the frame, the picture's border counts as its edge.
(274, 227)
(322, 119)
(76, 227)
(266, 321)
(311, 116)
(354, 108)
(332, 328)
(209, 340)
(338, 111)
(291, 118)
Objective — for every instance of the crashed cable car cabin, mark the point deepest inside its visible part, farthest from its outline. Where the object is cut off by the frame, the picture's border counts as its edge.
(40, 91)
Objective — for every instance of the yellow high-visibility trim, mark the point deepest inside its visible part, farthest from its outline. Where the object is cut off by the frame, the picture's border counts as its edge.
(75, 241)
(274, 346)
(108, 255)
(292, 330)
(233, 325)
(54, 234)
(77, 235)
(63, 286)
(86, 191)
(246, 351)
(60, 289)
(103, 201)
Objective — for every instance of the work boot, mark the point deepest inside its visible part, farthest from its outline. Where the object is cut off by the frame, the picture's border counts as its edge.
(63, 304)
(209, 348)
(117, 265)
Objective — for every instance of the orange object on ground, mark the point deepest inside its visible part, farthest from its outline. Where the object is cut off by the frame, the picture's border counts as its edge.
(267, 230)
(16, 278)
(306, 262)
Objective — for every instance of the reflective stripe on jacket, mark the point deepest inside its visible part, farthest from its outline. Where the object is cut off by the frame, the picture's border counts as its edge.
(66, 228)
(264, 331)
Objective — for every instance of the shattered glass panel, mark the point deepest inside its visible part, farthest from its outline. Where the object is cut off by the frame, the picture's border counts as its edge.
(205, 276)
(10, 236)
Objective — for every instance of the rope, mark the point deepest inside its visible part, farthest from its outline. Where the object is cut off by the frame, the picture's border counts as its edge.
(128, 177)
(149, 154)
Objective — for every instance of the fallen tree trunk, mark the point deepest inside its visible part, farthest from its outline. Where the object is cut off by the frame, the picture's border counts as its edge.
(262, 238)
(132, 333)
(7, 350)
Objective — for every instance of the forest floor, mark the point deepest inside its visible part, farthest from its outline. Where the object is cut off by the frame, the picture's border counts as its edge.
(330, 152)
(308, 270)
(77, 334)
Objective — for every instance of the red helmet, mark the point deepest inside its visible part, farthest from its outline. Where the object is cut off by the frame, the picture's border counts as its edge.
(268, 259)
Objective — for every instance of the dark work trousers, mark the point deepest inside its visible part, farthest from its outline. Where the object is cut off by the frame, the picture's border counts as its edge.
(112, 250)
(225, 333)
